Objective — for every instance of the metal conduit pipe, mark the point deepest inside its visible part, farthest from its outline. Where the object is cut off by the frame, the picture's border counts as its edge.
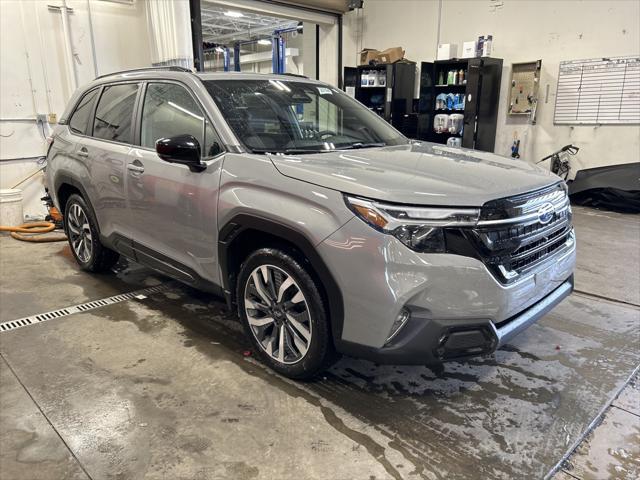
(28, 61)
(68, 45)
(42, 62)
(21, 119)
(93, 40)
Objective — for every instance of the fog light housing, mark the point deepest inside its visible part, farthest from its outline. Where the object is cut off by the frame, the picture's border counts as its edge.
(398, 323)
(465, 342)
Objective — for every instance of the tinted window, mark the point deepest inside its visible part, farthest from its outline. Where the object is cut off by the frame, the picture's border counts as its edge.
(170, 110)
(114, 113)
(80, 117)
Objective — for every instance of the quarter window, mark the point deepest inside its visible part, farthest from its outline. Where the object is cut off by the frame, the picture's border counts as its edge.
(115, 113)
(80, 117)
(170, 110)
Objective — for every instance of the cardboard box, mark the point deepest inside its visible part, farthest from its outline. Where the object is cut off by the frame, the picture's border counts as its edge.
(368, 54)
(447, 51)
(391, 55)
(469, 49)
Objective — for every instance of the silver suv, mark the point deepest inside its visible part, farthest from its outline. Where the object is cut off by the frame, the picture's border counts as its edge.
(325, 228)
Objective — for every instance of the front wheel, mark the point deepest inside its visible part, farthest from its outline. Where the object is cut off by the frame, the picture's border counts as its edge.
(283, 314)
(84, 239)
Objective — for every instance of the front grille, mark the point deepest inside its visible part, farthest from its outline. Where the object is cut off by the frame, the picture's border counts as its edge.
(521, 264)
(511, 238)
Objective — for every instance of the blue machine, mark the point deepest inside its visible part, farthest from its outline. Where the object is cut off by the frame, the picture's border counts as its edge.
(278, 60)
(226, 59)
(236, 57)
(278, 48)
(278, 51)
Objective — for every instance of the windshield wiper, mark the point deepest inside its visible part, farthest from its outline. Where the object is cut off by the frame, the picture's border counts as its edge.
(294, 151)
(357, 145)
(302, 151)
(306, 150)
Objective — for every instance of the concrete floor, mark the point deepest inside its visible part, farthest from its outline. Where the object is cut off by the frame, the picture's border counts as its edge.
(163, 387)
(612, 449)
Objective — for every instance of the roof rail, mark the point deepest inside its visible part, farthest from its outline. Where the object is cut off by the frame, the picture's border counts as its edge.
(172, 68)
(294, 75)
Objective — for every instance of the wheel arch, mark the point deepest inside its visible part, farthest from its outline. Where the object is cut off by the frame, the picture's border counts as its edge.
(245, 233)
(66, 185)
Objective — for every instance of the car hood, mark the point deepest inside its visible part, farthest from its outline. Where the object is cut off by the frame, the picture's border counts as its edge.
(420, 173)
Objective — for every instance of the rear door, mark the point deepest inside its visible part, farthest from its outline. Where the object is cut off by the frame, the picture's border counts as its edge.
(108, 146)
(173, 210)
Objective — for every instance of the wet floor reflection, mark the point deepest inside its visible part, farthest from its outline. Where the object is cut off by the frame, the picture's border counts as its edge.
(513, 413)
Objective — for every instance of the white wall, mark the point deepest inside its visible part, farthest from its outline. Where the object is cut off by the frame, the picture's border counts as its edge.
(328, 54)
(34, 77)
(523, 30)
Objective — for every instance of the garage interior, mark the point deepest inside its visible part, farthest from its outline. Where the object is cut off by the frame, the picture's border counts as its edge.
(133, 375)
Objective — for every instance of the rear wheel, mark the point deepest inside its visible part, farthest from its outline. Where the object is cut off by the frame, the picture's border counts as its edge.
(84, 239)
(283, 314)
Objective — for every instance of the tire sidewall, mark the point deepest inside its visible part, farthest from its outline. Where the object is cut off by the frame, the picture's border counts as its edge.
(316, 356)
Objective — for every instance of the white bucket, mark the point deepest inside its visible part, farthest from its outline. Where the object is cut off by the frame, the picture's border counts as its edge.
(11, 207)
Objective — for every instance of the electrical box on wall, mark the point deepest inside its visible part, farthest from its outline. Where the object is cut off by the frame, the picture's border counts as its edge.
(523, 89)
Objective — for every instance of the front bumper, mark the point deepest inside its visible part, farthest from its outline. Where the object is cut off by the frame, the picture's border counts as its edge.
(457, 306)
(436, 341)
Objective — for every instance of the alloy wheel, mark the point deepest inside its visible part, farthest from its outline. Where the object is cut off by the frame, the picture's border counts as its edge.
(278, 314)
(80, 233)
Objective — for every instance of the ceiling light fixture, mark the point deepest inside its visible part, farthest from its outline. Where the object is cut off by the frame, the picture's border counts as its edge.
(233, 14)
(264, 41)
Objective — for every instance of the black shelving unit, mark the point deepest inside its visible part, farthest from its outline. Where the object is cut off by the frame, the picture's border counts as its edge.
(481, 89)
(386, 89)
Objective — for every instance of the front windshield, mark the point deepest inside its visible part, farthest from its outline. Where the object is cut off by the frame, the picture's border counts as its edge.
(282, 116)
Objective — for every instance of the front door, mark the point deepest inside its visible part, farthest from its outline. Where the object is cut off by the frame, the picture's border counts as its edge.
(173, 210)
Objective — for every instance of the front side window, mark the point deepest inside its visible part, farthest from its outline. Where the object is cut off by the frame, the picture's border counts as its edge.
(297, 117)
(80, 117)
(114, 114)
(170, 110)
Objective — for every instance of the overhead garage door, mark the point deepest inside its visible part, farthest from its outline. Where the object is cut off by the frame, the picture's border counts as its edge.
(294, 10)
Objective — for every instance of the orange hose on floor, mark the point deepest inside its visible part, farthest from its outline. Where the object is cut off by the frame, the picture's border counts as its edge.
(33, 230)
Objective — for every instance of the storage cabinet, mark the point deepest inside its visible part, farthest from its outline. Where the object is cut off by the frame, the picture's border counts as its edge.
(386, 89)
(470, 89)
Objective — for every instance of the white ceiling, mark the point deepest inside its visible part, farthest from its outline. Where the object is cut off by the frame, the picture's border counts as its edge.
(219, 28)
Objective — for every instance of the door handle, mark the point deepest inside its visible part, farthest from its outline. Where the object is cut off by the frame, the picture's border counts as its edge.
(135, 168)
(83, 152)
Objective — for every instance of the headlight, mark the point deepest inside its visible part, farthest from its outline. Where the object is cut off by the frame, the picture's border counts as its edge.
(419, 228)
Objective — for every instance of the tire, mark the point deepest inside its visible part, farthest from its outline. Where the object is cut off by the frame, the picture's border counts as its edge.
(81, 228)
(299, 312)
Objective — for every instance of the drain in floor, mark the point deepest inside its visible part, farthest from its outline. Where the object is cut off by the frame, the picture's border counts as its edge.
(83, 307)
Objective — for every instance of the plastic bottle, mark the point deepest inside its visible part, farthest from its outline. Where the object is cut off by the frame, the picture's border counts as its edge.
(486, 47)
(479, 46)
(461, 77)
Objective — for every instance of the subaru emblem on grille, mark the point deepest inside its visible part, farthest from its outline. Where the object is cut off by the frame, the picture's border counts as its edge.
(545, 213)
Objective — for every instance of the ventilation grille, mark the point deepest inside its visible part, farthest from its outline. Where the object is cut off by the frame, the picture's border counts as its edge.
(83, 307)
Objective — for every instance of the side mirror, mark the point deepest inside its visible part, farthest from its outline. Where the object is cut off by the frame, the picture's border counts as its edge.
(182, 149)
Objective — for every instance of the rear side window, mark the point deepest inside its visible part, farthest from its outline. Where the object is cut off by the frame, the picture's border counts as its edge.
(170, 110)
(80, 117)
(114, 114)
